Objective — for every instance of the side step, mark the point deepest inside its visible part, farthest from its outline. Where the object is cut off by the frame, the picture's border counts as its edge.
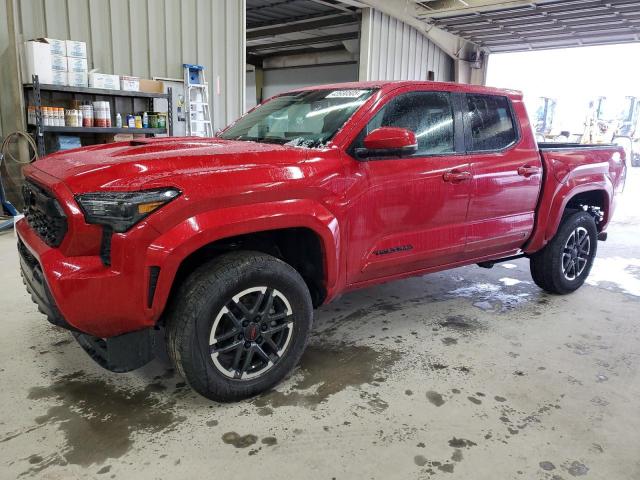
(491, 263)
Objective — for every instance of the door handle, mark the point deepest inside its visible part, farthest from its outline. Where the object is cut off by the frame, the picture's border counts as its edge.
(456, 176)
(528, 170)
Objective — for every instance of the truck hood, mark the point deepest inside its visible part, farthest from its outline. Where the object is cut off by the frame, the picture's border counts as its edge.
(147, 163)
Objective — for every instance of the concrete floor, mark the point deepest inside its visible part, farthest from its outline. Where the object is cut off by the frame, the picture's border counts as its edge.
(470, 374)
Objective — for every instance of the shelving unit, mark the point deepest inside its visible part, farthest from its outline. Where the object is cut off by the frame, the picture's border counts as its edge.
(151, 131)
(35, 89)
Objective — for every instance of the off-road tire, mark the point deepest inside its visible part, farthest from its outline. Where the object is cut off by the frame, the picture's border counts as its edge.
(547, 264)
(204, 293)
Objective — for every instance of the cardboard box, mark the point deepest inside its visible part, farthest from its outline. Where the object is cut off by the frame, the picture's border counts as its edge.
(76, 49)
(128, 83)
(58, 62)
(75, 64)
(77, 79)
(103, 80)
(37, 61)
(58, 47)
(58, 77)
(122, 137)
(151, 86)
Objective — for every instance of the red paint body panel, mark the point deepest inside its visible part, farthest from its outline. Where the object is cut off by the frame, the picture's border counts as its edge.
(376, 220)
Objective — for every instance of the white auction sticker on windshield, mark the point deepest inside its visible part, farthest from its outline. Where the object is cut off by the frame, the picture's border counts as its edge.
(346, 94)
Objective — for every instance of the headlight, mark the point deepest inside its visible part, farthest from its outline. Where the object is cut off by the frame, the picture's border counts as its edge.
(122, 210)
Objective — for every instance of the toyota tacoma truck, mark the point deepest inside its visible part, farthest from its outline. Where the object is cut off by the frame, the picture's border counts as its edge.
(227, 244)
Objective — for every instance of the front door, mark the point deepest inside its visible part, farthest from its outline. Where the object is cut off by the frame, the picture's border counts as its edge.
(412, 211)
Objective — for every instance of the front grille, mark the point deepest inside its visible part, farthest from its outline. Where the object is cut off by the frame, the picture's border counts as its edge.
(44, 214)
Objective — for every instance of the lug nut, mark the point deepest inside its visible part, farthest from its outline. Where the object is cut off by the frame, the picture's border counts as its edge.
(245, 323)
(263, 327)
(247, 344)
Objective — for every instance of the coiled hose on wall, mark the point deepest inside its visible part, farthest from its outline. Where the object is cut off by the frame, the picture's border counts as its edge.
(8, 157)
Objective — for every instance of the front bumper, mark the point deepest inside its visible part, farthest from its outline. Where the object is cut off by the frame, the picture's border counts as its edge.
(121, 353)
(33, 279)
(81, 293)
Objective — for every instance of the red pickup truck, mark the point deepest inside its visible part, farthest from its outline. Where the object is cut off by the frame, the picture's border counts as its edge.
(228, 244)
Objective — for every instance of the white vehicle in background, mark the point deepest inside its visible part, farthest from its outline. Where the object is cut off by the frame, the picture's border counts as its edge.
(628, 133)
(554, 121)
(615, 121)
(542, 117)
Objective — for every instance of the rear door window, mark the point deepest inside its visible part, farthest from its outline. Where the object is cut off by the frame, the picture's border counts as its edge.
(490, 121)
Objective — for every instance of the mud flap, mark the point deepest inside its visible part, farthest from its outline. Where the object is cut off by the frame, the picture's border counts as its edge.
(119, 354)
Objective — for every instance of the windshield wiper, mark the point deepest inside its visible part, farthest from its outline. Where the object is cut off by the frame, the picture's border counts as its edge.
(244, 138)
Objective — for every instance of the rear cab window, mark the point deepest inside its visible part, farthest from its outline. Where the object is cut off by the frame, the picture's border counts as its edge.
(490, 123)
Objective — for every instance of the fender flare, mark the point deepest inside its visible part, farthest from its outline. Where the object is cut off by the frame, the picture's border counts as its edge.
(170, 249)
(547, 227)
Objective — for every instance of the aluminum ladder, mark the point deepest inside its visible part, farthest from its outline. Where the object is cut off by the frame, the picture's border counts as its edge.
(197, 101)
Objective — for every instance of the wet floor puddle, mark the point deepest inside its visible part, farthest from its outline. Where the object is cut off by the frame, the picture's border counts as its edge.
(328, 369)
(97, 419)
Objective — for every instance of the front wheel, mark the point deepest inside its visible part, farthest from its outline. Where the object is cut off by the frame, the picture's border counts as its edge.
(240, 324)
(563, 265)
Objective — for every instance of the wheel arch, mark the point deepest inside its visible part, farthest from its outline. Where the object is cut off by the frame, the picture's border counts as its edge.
(568, 196)
(301, 233)
(578, 198)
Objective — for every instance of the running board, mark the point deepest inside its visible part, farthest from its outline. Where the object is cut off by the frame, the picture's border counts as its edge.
(491, 263)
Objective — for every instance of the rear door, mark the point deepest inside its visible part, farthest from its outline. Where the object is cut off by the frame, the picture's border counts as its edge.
(411, 213)
(507, 174)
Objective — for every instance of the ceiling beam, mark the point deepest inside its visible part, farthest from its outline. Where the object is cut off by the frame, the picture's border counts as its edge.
(301, 51)
(337, 6)
(410, 12)
(289, 27)
(303, 41)
(531, 11)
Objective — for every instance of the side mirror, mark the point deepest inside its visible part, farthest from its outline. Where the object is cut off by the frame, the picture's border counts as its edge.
(388, 142)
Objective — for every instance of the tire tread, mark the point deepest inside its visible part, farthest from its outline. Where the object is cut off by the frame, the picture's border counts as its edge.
(544, 264)
(193, 293)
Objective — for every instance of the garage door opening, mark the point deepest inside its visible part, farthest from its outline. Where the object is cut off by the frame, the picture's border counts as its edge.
(299, 43)
(584, 95)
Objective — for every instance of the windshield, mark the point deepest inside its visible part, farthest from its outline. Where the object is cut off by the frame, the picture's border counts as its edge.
(309, 118)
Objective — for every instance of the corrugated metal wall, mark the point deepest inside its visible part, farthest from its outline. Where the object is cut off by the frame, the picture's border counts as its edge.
(150, 38)
(392, 50)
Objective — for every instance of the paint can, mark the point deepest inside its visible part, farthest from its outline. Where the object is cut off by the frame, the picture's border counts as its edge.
(87, 115)
(101, 114)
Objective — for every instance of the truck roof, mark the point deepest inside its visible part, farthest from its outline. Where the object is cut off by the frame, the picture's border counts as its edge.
(388, 85)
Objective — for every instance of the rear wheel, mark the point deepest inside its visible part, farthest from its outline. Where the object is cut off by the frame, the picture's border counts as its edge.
(240, 325)
(563, 265)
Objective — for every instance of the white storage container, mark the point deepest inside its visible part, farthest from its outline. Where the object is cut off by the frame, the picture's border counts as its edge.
(37, 61)
(75, 64)
(76, 49)
(77, 79)
(58, 77)
(131, 84)
(57, 47)
(58, 62)
(103, 80)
